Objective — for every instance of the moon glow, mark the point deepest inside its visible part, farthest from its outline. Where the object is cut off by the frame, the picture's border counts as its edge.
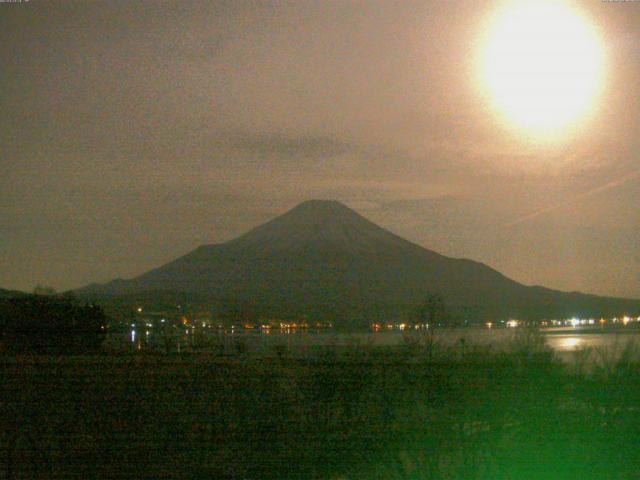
(542, 65)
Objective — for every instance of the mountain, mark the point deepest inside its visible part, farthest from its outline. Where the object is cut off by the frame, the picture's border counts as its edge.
(325, 261)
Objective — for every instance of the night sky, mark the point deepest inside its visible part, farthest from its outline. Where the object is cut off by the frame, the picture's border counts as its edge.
(133, 132)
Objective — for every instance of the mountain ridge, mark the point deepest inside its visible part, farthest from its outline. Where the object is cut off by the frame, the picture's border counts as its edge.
(323, 259)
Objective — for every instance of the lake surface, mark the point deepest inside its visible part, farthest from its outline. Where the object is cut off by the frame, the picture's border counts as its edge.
(567, 342)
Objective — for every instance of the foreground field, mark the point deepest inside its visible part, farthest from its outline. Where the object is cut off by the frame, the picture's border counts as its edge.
(366, 413)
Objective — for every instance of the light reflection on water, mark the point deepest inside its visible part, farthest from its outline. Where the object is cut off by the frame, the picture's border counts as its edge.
(566, 343)
(576, 342)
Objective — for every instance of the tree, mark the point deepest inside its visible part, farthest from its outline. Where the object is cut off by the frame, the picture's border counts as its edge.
(43, 290)
(432, 311)
(43, 324)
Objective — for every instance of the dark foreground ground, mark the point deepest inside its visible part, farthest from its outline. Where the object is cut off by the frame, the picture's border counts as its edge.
(362, 414)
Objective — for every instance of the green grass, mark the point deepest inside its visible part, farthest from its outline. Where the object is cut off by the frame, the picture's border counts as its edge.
(418, 411)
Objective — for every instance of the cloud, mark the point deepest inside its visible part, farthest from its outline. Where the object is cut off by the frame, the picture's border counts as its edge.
(286, 147)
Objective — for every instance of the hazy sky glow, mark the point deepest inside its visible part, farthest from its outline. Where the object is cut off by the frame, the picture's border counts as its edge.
(135, 131)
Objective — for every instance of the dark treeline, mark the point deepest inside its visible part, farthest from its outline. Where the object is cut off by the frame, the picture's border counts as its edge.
(50, 324)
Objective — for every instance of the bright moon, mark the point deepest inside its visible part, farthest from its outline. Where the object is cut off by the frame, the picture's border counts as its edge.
(542, 65)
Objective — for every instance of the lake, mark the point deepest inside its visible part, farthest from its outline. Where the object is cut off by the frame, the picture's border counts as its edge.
(567, 342)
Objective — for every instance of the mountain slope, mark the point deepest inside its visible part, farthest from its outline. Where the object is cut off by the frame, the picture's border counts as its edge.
(323, 260)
